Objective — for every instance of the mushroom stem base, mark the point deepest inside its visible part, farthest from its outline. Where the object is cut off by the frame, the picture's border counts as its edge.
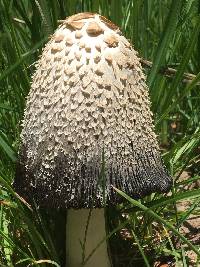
(84, 231)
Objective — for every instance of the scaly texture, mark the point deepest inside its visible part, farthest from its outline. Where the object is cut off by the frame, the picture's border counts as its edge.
(87, 123)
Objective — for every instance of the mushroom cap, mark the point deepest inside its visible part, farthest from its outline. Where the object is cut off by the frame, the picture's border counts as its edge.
(87, 124)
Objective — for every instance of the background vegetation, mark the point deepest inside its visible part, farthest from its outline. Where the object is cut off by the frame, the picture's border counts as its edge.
(164, 32)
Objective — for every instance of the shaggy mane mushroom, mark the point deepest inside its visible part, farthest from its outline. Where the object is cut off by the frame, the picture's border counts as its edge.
(88, 127)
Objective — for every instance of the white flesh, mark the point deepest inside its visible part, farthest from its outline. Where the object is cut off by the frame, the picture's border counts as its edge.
(75, 232)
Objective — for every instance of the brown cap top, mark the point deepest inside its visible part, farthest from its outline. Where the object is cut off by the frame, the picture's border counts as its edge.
(87, 124)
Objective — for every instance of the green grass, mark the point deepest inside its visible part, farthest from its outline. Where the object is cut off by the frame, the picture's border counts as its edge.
(164, 32)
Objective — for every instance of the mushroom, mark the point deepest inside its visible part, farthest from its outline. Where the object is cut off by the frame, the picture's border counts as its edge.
(88, 127)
